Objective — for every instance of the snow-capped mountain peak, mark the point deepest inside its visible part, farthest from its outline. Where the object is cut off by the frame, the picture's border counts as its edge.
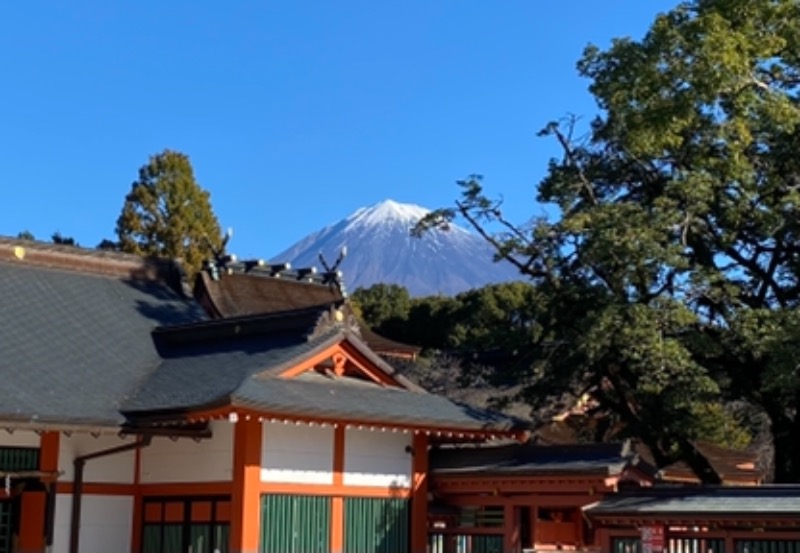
(382, 250)
(388, 211)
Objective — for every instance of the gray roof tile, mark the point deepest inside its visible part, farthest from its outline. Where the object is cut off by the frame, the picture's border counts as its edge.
(702, 500)
(246, 372)
(531, 458)
(75, 345)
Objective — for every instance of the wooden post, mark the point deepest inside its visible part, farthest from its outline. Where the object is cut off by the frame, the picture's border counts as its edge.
(419, 494)
(246, 496)
(34, 534)
(138, 504)
(337, 502)
(730, 545)
(511, 528)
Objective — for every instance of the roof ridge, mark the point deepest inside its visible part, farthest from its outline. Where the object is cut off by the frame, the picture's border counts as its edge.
(89, 261)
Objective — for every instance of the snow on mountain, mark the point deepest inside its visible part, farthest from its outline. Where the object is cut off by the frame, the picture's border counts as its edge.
(380, 249)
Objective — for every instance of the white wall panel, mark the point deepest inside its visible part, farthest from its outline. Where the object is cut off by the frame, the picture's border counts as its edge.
(377, 458)
(117, 468)
(61, 523)
(186, 460)
(297, 454)
(106, 524)
(20, 438)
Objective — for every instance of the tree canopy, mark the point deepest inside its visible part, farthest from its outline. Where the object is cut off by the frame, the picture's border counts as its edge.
(168, 214)
(672, 269)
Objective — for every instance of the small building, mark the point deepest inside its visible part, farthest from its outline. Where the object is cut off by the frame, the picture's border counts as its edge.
(689, 519)
(523, 496)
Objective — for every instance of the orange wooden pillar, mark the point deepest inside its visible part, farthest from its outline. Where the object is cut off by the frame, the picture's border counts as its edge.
(511, 530)
(246, 493)
(337, 502)
(33, 530)
(419, 495)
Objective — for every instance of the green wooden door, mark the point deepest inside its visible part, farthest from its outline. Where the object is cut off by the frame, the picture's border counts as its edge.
(6, 526)
(295, 524)
(376, 525)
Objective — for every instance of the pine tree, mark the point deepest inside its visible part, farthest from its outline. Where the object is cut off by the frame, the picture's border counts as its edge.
(168, 214)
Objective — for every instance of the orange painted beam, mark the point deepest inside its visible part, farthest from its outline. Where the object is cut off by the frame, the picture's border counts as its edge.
(533, 485)
(245, 497)
(341, 353)
(98, 488)
(312, 362)
(331, 490)
(187, 488)
(364, 364)
(522, 500)
(419, 495)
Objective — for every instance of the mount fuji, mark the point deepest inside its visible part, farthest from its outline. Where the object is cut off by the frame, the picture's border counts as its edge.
(381, 250)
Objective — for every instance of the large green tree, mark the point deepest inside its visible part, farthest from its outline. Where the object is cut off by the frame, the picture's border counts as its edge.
(672, 266)
(380, 302)
(168, 214)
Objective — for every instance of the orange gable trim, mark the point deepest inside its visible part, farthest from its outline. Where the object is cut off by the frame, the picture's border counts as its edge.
(342, 356)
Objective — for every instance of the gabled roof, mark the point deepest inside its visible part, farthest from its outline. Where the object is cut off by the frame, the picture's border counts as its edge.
(529, 458)
(731, 465)
(247, 371)
(699, 502)
(102, 338)
(237, 294)
(246, 289)
(75, 329)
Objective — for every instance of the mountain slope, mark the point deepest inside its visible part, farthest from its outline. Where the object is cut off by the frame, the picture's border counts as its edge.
(380, 249)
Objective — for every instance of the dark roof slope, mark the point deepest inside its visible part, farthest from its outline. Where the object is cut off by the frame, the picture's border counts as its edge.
(385, 345)
(75, 330)
(530, 458)
(236, 295)
(697, 501)
(260, 291)
(246, 372)
(356, 400)
(731, 465)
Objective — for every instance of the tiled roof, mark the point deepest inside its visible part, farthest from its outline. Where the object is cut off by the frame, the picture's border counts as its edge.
(731, 465)
(698, 501)
(101, 338)
(75, 330)
(530, 458)
(246, 373)
(351, 399)
(236, 294)
(385, 345)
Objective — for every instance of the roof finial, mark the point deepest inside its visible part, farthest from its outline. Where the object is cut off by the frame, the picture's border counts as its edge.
(332, 274)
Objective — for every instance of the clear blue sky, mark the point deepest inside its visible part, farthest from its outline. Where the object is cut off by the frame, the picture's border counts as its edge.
(294, 113)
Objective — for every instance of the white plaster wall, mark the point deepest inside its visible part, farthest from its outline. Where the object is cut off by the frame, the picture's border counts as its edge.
(20, 438)
(106, 524)
(299, 454)
(186, 460)
(377, 458)
(117, 468)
